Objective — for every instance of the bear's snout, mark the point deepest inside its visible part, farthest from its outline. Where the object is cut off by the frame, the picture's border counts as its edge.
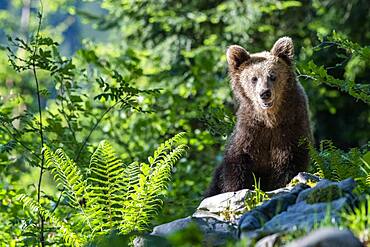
(265, 94)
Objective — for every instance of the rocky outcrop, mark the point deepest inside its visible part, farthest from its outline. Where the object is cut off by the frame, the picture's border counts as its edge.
(304, 203)
(327, 237)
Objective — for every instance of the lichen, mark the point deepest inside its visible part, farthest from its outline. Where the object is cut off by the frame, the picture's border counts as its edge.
(227, 214)
(293, 182)
(296, 181)
(326, 194)
(311, 183)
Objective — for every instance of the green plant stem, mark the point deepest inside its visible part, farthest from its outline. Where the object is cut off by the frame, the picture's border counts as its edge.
(42, 239)
(93, 129)
(58, 201)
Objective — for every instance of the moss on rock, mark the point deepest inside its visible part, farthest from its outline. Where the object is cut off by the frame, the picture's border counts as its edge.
(296, 181)
(326, 194)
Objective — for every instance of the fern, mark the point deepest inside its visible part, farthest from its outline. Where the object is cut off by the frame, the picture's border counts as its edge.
(7, 147)
(151, 181)
(114, 196)
(105, 188)
(69, 236)
(67, 175)
(366, 169)
(332, 163)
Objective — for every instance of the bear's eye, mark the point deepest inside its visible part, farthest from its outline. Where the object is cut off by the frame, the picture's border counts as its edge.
(254, 79)
(272, 77)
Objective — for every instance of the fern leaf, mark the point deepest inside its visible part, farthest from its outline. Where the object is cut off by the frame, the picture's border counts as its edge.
(144, 201)
(7, 147)
(69, 236)
(118, 196)
(106, 174)
(366, 169)
(67, 175)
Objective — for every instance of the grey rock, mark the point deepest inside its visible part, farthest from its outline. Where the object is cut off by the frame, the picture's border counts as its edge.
(268, 241)
(215, 232)
(150, 240)
(302, 178)
(293, 221)
(225, 216)
(252, 220)
(299, 188)
(255, 219)
(328, 237)
(305, 216)
(171, 227)
(306, 208)
(278, 192)
(322, 184)
(207, 214)
(305, 177)
(253, 235)
(346, 186)
(290, 211)
(228, 206)
(276, 205)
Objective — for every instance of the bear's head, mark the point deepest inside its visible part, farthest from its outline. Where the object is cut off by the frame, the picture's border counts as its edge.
(262, 78)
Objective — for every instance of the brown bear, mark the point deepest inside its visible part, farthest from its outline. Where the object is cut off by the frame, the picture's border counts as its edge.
(272, 121)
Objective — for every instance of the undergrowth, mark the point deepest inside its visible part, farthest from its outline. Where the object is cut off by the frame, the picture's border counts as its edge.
(113, 195)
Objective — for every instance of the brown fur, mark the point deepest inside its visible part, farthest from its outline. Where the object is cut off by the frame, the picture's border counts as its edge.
(266, 140)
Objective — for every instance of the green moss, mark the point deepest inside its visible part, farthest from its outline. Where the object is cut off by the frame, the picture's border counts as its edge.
(327, 194)
(295, 181)
(311, 183)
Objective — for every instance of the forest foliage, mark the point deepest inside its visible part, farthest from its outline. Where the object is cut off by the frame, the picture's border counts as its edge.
(137, 73)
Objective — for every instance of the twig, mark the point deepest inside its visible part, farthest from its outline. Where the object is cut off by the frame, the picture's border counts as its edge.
(307, 77)
(339, 64)
(21, 143)
(64, 112)
(58, 201)
(42, 239)
(93, 129)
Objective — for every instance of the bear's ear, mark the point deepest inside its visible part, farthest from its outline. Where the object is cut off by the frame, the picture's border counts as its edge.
(284, 49)
(236, 55)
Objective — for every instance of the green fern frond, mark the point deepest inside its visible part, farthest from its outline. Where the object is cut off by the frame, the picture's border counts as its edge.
(7, 147)
(67, 175)
(116, 196)
(69, 236)
(366, 169)
(332, 163)
(145, 201)
(70, 181)
(130, 174)
(318, 162)
(105, 186)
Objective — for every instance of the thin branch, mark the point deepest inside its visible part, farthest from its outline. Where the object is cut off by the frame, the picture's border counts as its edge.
(58, 201)
(120, 142)
(64, 112)
(307, 77)
(339, 64)
(21, 143)
(42, 239)
(93, 129)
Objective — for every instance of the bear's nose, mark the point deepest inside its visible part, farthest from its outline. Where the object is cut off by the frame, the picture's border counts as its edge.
(266, 94)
